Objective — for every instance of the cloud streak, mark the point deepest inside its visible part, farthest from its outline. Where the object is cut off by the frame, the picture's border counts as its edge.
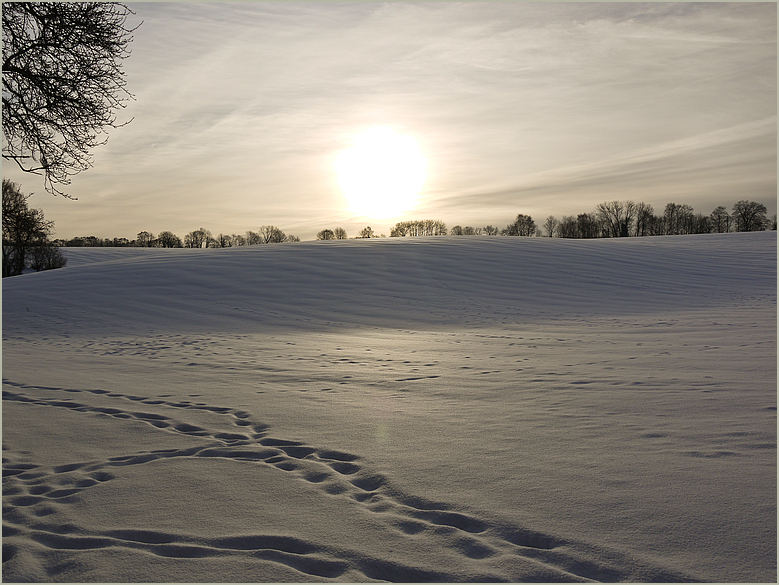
(242, 108)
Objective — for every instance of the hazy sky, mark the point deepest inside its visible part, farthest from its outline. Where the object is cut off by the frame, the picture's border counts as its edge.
(242, 109)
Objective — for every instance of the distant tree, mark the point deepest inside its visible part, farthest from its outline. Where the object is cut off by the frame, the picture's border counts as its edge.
(45, 255)
(701, 224)
(325, 235)
(366, 232)
(617, 217)
(644, 219)
(678, 219)
(168, 239)
(550, 225)
(26, 235)
(238, 240)
(197, 239)
(523, 226)
(292, 238)
(773, 222)
(62, 82)
(425, 227)
(223, 241)
(270, 234)
(491, 230)
(469, 231)
(588, 226)
(456, 231)
(340, 233)
(144, 240)
(720, 220)
(567, 227)
(749, 216)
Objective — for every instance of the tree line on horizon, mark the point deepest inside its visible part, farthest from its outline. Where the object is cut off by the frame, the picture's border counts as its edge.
(27, 242)
(608, 220)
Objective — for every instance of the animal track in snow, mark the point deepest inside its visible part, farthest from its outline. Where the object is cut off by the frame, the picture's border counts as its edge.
(31, 490)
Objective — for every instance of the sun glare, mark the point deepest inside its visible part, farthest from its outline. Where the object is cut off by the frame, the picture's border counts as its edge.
(381, 174)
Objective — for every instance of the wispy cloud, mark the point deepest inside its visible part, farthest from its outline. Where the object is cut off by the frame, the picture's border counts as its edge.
(241, 109)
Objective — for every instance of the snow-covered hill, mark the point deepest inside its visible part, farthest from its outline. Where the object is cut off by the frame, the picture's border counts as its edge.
(450, 408)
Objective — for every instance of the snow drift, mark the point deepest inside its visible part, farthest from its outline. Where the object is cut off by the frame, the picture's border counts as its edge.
(432, 409)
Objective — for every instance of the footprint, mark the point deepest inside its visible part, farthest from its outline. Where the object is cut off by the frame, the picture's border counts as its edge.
(368, 483)
(344, 468)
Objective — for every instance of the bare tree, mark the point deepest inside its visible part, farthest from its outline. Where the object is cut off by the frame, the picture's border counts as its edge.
(197, 239)
(678, 219)
(617, 217)
(270, 234)
(720, 220)
(523, 226)
(25, 234)
(62, 83)
(491, 230)
(425, 227)
(325, 235)
(550, 225)
(144, 240)
(168, 239)
(223, 241)
(749, 216)
(340, 233)
(366, 232)
(644, 216)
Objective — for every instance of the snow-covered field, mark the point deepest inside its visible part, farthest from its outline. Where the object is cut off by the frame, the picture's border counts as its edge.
(433, 409)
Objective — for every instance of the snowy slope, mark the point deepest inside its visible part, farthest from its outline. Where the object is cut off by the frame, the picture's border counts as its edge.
(452, 408)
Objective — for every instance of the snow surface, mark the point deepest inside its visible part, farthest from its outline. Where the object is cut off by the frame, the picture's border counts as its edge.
(432, 409)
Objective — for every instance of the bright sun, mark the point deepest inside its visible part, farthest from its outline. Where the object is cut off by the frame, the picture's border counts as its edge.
(381, 174)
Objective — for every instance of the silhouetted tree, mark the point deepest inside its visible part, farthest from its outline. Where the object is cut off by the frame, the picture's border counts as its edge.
(678, 219)
(644, 219)
(491, 230)
(589, 226)
(26, 235)
(456, 231)
(567, 227)
(749, 216)
(701, 224)
(523, 226)
(168, 239)
(62, 82)
(617, 217)
(340, 233)
(45, 255)
(223, 241)
(144, 240)
(197, 239)
(720, 220)
(325, 235)
(366, 232)
(270, 234)
(425, 227)
(550, 225)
